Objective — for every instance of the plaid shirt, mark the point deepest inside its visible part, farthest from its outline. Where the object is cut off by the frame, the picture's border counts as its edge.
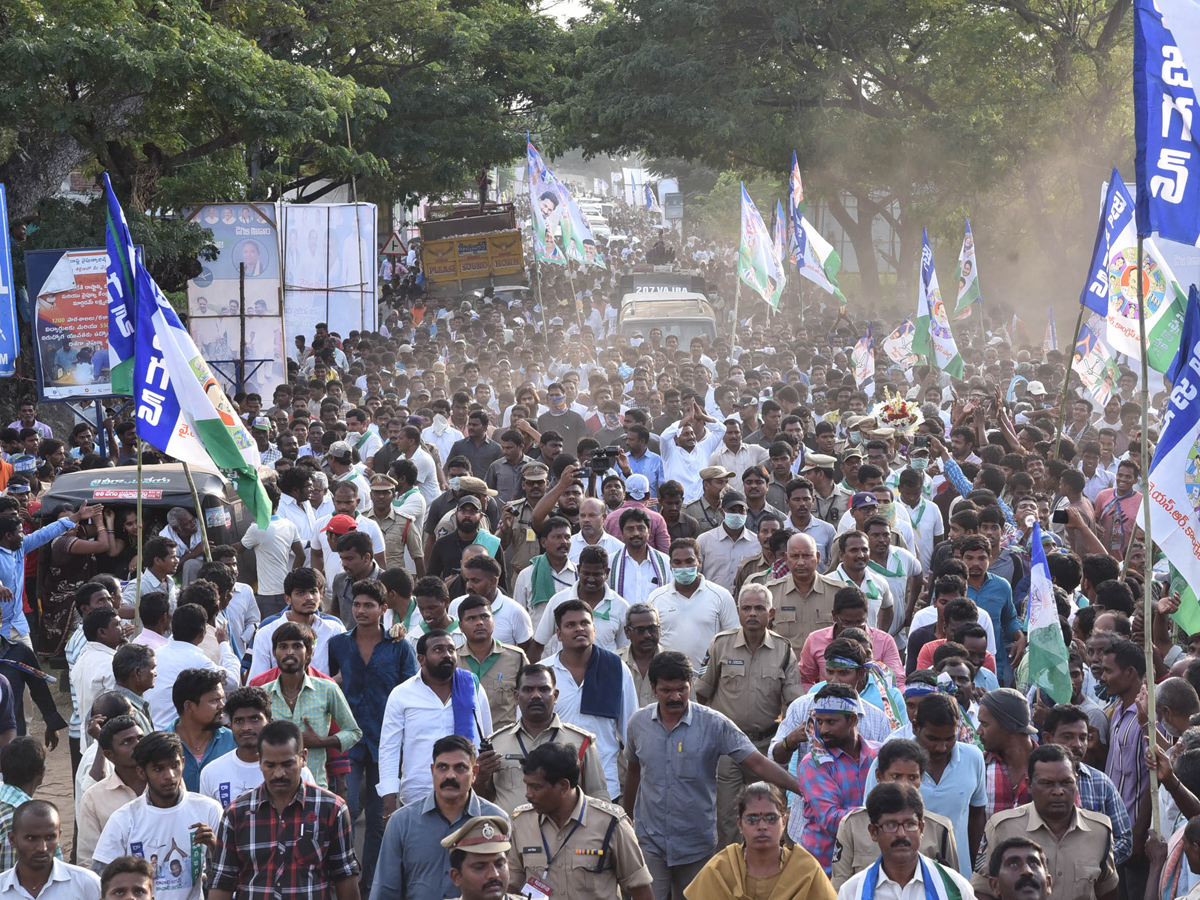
(1098, 794)
(262, 855)
(830, 791)
(10, 798)
(1001, 792)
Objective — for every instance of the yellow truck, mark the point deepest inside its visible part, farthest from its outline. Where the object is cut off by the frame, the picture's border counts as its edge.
(467, 247)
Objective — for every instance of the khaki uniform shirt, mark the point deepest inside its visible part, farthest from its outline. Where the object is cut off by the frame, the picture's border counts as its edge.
(798, 615)
(754, 687)
(749, 567)
(645, 693)
(855, 849)
(523, 546)
(498, 677)
(576, 868)
(398, 532)
(1080, 863)
(509, 781)
(708, 516)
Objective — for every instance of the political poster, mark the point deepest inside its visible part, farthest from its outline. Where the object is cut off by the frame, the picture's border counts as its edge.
(9, 344)
(244, 233)
(329, 268)
(1093, 361)
(70, 328)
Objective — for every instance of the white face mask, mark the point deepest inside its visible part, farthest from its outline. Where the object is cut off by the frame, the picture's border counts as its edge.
(735, 521)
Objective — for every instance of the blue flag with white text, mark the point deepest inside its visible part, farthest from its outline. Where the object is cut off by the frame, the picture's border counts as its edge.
(9, 344)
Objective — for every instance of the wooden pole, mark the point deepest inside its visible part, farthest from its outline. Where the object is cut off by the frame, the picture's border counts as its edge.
(199, 513)
(1062, 407)
(737, 300)
(1148, 573)
(137, 596)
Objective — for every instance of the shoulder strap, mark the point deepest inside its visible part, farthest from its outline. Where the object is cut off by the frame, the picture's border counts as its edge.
(603, 858)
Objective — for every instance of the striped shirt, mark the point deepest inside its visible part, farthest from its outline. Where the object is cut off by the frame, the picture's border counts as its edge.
(1126, 756)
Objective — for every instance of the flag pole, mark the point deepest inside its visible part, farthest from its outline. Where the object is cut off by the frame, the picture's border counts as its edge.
(737, 300)
(187, 470)
(1062, 407)
(137, 597)
(1148, 572)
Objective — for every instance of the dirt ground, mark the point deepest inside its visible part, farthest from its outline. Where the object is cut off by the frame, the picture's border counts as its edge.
(58, 787)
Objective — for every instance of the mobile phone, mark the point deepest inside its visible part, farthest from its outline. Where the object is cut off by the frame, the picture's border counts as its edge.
(921, 442)
(1059, 517)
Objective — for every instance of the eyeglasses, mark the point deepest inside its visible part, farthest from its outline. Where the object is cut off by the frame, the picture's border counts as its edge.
(756, 819)
(912, 826)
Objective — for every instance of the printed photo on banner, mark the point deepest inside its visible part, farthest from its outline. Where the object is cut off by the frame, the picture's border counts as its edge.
(70, 288)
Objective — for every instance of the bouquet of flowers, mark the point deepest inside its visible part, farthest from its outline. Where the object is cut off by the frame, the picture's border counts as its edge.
(896, 412)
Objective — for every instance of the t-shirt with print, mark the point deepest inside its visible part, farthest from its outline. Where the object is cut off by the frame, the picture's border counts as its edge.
(227, 777)
(164, 838)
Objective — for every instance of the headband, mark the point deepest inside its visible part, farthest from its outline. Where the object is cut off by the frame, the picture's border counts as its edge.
(918, 689)
(828, 705)
(841, 662)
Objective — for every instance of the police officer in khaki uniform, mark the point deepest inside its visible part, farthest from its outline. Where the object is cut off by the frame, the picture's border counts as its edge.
(516, 533)
(751, 675)
(1077, 842)
(803, 600)
(494, 665)
(399, 532)
(478, 858)
(579, 847)
(538, 725)
(706, 509)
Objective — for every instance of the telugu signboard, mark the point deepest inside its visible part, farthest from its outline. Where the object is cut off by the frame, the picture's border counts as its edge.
(70, 322)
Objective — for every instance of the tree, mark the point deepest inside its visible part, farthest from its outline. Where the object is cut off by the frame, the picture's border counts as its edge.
(913, 112)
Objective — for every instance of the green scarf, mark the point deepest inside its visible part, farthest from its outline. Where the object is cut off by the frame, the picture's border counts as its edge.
(542, 581)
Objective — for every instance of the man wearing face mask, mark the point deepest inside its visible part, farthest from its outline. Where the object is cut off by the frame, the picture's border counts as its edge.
(692, 609)
(560, 418)
(723, 549)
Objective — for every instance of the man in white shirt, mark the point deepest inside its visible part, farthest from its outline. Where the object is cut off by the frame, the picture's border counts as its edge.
(591, 530)
(685, 454)
(418, 713)
(361, 437)
(735, 455)
(184, 530)
(608, 607)
(427, 483)
(691, 609)
(277, 550)
(481, 575)
(303, 604)
(295, 487)
(576, 634)
(168, 825)
(330, 529)
(188, 624)
(38, 872)
(92, 672)
(161, 558)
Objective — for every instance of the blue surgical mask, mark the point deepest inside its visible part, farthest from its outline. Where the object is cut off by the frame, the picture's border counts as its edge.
(918, 463)
(855, 437)
(735, 521)
(455, 483)
(686, 575)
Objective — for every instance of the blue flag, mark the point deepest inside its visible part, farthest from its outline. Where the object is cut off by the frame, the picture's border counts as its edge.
(9, 345)
(1166, 48)
(1188, 337)
(121, 341)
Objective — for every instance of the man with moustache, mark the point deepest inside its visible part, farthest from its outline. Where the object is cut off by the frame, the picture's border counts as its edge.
(1017, 871)
(413, 864)
(897, 816)
(478, 864)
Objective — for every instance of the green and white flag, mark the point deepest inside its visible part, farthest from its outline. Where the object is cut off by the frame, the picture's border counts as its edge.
(932, 340)
(758, 263)
(1048, 668)
(968, 276)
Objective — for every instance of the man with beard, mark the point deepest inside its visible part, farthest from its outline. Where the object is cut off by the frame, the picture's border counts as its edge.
(559, 814)
(446, 557)
(897, 816)
(833, 773)
(320, 861)
(538, 724)
(1077, 842)
(311, 703)
(1017, 871)
(199, 697)
(677, 745)
(413, 864)
(421, 711)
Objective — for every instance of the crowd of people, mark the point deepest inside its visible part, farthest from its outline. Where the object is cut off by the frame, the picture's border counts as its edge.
(551, 610)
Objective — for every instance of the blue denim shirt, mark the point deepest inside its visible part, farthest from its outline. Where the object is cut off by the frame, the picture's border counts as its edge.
(222, 742)
(367, 685)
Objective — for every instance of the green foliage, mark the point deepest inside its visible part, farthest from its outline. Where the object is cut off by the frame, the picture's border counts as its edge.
(916, 111)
